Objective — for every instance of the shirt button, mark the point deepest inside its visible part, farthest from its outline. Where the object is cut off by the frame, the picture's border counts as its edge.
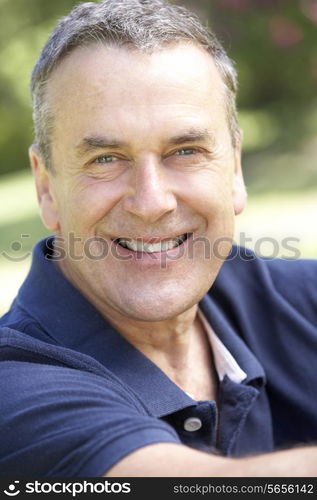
(192, 424)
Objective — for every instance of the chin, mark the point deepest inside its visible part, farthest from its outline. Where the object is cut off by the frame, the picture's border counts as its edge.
(151, 316)
(156, 308)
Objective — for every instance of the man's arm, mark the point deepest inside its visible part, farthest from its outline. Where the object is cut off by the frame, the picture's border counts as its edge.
(176, 460)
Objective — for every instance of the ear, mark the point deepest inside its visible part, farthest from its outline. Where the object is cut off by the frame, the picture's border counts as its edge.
(44, 188)
(239, 193)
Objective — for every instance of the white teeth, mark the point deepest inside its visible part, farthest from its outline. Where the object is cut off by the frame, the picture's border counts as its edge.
(133, 245)
(162, 246)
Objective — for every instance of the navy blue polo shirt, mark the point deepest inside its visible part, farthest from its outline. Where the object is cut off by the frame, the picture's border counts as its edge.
(76, 397)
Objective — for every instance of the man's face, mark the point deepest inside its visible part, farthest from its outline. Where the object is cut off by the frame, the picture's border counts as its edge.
(142, 152)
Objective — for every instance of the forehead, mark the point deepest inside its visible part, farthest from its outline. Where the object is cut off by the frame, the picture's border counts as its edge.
(99, 84)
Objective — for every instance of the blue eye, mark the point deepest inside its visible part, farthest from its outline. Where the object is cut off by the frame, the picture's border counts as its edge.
(105, 159)
(186, 151)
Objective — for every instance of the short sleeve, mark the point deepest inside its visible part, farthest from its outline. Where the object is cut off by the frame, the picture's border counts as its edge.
(60, 421)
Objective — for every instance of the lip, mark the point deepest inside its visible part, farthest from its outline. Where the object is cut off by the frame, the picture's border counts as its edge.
(152, 239)
(153, 259)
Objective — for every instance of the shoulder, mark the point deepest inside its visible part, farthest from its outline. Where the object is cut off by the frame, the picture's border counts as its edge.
(62, 413)
(265, 298)
(243, 260)
(294, 280)
(22, 355)
(18, 319)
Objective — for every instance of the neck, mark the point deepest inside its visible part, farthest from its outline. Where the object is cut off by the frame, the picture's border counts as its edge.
(171, 336)
(177, 345)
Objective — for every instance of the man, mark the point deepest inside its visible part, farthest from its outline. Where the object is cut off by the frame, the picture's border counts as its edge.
(141, 343)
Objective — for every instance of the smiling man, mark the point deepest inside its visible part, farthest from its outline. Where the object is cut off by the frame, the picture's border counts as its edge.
(142, 342)
(142, 160)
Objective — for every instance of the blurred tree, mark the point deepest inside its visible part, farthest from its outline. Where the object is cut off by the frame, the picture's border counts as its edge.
(25, 25)
(274, 45)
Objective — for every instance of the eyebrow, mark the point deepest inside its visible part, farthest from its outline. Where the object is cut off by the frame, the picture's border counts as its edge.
(90, 144)
(191, 135)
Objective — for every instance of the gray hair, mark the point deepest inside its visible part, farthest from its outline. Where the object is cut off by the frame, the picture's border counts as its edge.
(146, 25)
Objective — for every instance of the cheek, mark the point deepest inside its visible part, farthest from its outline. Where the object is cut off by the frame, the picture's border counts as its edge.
(208, 192)
(87, 201)
(211, 198)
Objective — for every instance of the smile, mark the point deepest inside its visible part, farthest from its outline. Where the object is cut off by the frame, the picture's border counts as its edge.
(139, 245)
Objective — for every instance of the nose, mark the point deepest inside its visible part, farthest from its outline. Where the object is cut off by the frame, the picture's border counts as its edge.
(151, 195)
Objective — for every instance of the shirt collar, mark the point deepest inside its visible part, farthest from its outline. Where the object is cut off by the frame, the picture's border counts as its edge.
(69, 320)
(225, 363)
(245, 359)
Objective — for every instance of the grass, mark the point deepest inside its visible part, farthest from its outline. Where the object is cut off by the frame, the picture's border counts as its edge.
(267, 221)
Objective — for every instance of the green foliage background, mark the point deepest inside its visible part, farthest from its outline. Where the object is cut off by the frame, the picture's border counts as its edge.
(274, 45)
